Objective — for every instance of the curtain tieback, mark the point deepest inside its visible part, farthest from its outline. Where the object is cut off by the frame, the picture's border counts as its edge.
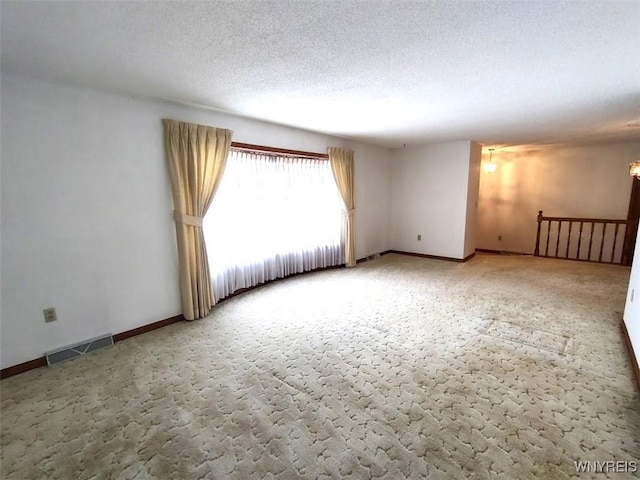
(185, 219)
(351, 211)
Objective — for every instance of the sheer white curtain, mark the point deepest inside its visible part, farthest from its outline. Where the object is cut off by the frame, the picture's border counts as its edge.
(271, 217)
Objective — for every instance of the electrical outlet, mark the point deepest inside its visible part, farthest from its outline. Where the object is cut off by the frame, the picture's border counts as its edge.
(50, 315)
(419, 237)
(499, 238)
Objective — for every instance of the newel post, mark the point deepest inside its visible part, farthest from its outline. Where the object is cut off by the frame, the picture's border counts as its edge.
(536, 252)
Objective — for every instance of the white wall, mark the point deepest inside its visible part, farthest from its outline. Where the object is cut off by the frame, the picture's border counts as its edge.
(632, 307)
(473, 188)
(573, 181)
(86, 209)
(373, 199)
(429, 197)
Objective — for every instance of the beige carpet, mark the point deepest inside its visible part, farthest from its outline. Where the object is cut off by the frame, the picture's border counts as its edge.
(503, 367)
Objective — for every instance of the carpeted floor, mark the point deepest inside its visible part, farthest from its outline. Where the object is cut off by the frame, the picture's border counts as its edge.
(502, 367)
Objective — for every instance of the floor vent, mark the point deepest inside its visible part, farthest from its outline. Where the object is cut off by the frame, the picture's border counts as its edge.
(73, 351)
(374, 256)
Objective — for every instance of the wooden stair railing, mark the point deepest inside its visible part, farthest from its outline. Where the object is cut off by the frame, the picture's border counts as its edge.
(604, 237)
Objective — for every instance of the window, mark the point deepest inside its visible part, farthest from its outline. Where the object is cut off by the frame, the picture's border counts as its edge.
(273, 215)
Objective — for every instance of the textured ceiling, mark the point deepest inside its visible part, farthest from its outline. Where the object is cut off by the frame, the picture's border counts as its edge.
(382, 72)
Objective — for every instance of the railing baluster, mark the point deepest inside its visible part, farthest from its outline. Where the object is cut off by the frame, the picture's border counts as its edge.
(579, 241)
(604, 231)
(615, 238)
(558, 239)
(590, 241)
(566, 254)
(546, 251)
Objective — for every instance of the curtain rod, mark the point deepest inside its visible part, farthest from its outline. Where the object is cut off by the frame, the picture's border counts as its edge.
(282, 151)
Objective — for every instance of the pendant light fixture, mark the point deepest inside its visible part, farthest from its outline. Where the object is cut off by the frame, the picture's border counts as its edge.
(490, 167)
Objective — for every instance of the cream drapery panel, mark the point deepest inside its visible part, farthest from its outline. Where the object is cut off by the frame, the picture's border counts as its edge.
(342, 165)
(197, 155)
